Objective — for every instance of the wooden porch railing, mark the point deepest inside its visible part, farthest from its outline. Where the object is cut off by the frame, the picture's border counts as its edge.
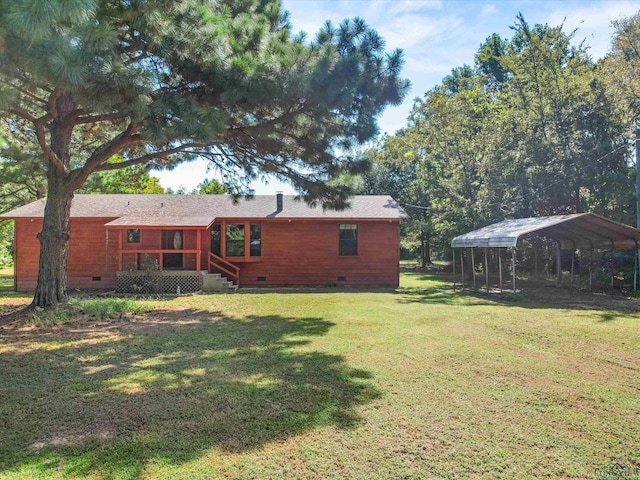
(159, 252)
(221, 265)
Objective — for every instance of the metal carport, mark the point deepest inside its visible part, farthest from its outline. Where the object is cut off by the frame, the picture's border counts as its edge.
(580, 230)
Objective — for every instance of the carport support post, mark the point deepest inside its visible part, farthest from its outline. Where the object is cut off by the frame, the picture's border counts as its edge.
(590, 263)
(453, 252)
(513, 268)
(486, 269)
(558, 265)
(500, 267)
(473, 268)
(462, 269)
(573, 256)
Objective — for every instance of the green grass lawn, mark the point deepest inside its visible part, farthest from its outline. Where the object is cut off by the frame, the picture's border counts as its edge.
(418, 382)
(6, 279)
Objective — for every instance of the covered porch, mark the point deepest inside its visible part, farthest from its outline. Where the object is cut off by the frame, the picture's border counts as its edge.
(160, 248)
(168, 255)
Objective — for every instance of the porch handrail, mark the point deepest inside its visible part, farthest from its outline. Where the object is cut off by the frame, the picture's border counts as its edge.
(215, 261)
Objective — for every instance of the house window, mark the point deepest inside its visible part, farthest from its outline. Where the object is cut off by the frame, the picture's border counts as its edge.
(348, 240)
(255, 240)
(133, 235)
(234, 240)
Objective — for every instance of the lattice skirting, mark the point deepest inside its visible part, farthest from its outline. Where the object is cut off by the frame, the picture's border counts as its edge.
(159, 282)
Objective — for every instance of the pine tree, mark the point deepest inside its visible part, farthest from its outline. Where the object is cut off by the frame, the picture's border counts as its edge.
(163, 81)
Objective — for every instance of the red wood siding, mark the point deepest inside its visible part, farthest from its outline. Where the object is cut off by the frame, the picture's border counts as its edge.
(305, 252)
(300, 252)
(88, 257)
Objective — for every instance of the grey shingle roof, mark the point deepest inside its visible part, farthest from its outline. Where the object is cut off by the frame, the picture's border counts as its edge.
(198, 210)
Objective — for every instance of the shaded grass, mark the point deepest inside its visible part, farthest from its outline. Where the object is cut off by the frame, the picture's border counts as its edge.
(420, 382)
(6, 279)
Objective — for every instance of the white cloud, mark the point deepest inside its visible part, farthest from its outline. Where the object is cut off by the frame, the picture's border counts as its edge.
(488, 10)
(592, 21)
(410, 31)
(411, 6)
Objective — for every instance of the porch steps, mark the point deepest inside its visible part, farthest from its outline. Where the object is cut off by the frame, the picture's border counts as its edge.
(215, 282)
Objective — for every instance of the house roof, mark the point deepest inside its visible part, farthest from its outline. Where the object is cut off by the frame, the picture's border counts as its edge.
(162, 221)
(128, 210)
(580, 230)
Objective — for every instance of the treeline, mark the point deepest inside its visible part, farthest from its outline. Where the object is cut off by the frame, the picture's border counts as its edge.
(534, 127)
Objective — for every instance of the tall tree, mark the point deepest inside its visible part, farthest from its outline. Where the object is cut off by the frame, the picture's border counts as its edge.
(622, 74)
(530, 130)
(564, 122)
(210, 186)
(161, 81)
(623, 63)
(402, 168)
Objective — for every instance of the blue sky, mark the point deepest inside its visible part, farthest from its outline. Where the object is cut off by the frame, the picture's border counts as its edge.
(436, 36)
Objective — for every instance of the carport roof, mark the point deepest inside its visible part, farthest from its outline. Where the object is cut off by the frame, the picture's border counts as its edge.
(580, 230)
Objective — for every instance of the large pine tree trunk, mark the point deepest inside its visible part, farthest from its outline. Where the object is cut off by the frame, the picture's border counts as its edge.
(54, 245)
(51, 288)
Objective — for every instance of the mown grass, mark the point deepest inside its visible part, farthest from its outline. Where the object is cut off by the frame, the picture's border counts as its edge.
(418, 382)
(6, 279)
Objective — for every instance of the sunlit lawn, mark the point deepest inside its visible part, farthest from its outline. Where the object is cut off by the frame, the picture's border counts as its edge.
(413, 383)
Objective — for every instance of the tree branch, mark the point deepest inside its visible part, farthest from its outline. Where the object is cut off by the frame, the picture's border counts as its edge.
(30, 95)
(39, 124)
(102, 154)
(269, 123)
(149, 156)
(99, 118)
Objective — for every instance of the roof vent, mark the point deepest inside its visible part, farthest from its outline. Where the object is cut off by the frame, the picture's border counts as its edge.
(279, 201)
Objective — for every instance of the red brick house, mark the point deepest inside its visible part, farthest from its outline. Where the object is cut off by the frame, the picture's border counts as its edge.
(190, 241)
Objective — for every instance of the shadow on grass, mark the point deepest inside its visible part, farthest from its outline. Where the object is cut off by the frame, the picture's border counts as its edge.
(109, 400)
(531, 296)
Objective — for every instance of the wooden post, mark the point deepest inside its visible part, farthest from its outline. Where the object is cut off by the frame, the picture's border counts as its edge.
(453, 252)
(473, 268)
(199, 247)
(500, 267)
(223, 238)
(120, 250)
(106, 252)
(486, 269)
(513, 268)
